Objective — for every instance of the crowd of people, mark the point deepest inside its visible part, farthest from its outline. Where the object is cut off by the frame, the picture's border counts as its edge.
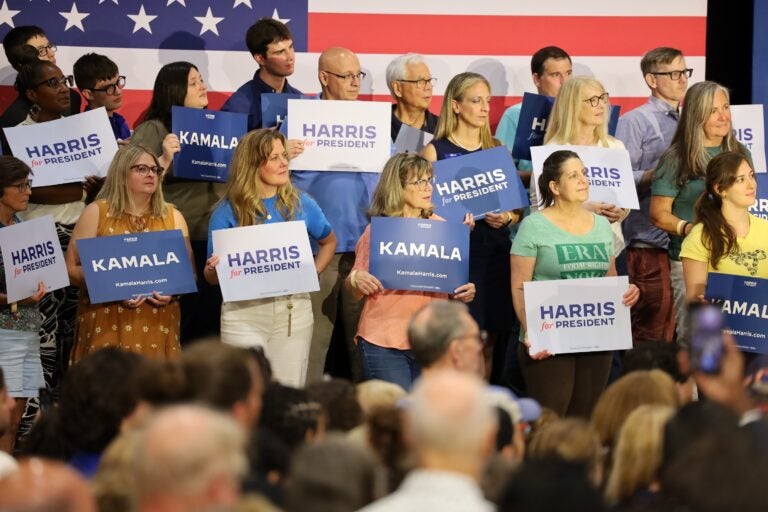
(358, 397)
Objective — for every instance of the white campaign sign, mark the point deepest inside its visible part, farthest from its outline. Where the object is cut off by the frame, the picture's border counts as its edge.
(340, 135)
(267, 260)
(748, 127)
(32, 253)
(65, 150)
(577, 315)
(609, 172)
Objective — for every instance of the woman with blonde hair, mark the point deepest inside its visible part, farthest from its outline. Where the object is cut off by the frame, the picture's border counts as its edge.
(131, 201)
(259, 191)
(464, 128)
(404, 190)
(637, 457)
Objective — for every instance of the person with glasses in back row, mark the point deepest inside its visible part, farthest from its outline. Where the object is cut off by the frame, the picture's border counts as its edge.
(131, 201)
(101, 84)
(410, 82)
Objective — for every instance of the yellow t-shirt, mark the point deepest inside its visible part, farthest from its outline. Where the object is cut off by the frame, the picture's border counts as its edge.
(751, 260)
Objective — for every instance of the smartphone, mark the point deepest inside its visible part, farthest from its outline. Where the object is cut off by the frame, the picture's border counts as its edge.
(706, 337)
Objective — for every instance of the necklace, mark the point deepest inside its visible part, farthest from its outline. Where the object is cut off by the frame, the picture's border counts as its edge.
(137, 223)
(464, 146)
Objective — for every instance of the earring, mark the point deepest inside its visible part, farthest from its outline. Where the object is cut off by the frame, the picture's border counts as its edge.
(34, 110)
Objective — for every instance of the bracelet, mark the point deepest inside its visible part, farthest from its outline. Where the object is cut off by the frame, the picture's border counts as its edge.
(509, 219)
(85, 195)
(680, 226)
(685, 226)
(352, 281)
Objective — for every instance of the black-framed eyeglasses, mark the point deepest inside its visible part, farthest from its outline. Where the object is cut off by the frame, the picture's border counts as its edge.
(596, 100)
(423, 183)
(42, 51)
(55, 83)
(350, 76)
(112, 88)
(21, 187)
(675, 75)
(144, 170)
(421, 83)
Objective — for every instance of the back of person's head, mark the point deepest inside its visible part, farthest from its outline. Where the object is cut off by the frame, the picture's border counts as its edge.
(387, 441)
(16, 37)
(653, 58)
(339, 400)
(378, 393)
(654, 355)
(265, 32)
(92, 67)
(41, 485)
(433, 328)
(332, 475)
(291, 415)
(637, 457)
(570, 439)
(164, 382)
(550, 485)
(543, 55)
(625, 395)
(113, 484)
(170, 90)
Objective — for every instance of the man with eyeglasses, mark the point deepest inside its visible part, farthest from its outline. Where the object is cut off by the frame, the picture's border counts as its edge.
(410, 82)
(271, 45)
(647, 132)
(101, 85)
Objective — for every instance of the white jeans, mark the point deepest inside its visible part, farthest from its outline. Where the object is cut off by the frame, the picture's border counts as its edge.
(678, 295)
(264, 323)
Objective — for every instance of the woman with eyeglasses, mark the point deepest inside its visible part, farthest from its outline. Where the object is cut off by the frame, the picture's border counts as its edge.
(259, 191)
(131, 201)
(404, 190)
(20, 321)
(464, 128)
(704, 131)
(181, 84)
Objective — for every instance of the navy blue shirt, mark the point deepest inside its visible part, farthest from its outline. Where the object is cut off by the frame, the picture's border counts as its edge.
(119, 125)
(247, 99)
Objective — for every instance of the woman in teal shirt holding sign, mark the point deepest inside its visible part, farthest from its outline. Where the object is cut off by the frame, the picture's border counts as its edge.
(563, 241)
(259, 191)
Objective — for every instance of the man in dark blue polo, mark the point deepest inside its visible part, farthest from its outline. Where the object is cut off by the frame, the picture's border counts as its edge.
(271, 44)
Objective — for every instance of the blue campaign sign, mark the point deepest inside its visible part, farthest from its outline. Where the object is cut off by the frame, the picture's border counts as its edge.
(532, 125)
(274, 107)
(760, 208)
(208, 140)
(613, 120)
(127, 266)
(477, 183)
(745, 306)
(419, 254)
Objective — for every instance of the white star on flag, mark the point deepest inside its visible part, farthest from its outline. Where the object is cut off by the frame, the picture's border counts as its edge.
(6, 15)
(74, 18)
(209, 22)
(276, 16)
(102, 1)
(179, 1)
(141, 20)
(243, 2)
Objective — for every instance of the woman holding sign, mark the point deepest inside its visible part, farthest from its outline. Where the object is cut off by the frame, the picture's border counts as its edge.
(726, 238)
(464, 128)
(569, 384)
(131, 201)
(259, 191)
(404, 190)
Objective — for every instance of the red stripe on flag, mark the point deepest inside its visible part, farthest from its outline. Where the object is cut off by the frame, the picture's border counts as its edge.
(505, 35)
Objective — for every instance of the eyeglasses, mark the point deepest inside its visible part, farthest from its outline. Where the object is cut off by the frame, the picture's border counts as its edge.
(675, 75)
(596, 100)
(42, 51)
(349, 77)
(55, 83)
(21, 187)
(144, 170)
(112, 88)
(421, 83)
(481, 337)
(423, 183)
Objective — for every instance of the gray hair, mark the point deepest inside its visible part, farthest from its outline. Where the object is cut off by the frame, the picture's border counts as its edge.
(433, 327)
(399, 66)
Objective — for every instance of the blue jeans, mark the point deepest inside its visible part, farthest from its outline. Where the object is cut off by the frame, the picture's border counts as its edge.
(388, 364)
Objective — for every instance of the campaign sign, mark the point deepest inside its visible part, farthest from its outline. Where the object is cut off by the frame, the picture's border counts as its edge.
(65, 150)
(134, 265)
(32, 253)
(609, 172)
(341, 135)
(760, 208)
(419, 254)
(745, 306)
(267, 260)
(411, 140)
(208, 140)
(747, 125)
(477, 183)
(577, 315)
(274, 107)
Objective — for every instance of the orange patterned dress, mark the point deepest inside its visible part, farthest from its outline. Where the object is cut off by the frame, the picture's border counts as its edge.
(147, 330)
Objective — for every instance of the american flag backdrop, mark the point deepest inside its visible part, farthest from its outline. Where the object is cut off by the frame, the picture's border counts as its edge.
(496, 38)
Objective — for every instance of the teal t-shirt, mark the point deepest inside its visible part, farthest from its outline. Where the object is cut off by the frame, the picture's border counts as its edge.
(562, 255)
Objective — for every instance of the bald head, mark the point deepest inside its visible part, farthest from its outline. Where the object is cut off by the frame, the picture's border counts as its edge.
(339, 74)
(45, 486)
